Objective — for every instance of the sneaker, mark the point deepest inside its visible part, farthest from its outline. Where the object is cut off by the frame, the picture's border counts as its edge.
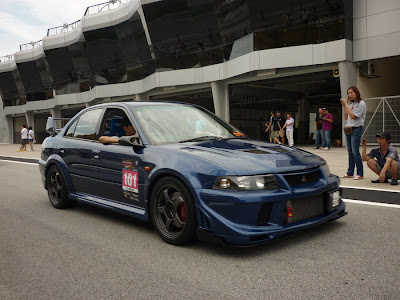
(358, 177)
(377, 181)
(394, 182)
(19, 150)
(346, 176)
(30, 150)
(316, 148)
(326, 149)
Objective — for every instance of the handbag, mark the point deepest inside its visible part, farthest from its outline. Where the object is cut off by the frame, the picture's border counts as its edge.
(348, 130)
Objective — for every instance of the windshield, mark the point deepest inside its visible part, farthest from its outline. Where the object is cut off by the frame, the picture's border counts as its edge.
(181, 123)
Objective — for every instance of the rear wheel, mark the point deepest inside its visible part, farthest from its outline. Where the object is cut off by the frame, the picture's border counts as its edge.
(57, 189)
(172, 211)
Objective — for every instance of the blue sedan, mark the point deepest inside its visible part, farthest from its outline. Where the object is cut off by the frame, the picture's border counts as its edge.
(188, 172)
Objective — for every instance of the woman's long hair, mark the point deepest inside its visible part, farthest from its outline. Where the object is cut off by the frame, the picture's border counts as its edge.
(356, 91)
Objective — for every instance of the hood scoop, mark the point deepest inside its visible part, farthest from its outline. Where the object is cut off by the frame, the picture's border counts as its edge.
(270, 150)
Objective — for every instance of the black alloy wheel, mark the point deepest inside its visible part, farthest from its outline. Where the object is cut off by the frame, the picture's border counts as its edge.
(57, 189)
(172, 211)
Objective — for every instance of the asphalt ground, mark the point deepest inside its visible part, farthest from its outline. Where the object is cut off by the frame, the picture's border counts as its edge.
(90, 253)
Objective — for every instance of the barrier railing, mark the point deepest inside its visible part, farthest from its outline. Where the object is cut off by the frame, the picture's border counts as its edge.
(104, 6)
(64, 28)
(383, 114)
(7, 58)
(30, 45)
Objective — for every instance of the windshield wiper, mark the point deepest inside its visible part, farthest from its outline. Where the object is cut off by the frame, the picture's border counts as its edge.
(201, 138)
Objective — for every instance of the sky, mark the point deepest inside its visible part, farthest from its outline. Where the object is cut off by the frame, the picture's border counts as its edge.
(24, 21)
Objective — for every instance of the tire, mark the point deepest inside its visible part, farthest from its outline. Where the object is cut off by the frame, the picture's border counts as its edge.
(172, 211)
(57, 188)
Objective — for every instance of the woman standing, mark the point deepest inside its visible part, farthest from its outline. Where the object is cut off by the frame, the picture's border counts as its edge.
(31, 137)
(354, 111)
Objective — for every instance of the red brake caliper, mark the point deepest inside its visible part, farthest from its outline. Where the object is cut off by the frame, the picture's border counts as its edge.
(182, 213)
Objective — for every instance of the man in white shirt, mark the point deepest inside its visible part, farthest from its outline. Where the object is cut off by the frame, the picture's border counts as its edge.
(24, 138)
(289, 125)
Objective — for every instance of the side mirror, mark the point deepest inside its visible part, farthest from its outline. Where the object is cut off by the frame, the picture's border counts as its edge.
(50, 126)
(132, 140)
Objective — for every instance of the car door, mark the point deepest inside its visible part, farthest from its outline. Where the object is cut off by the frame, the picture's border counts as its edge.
(76, 150)
(119, 169)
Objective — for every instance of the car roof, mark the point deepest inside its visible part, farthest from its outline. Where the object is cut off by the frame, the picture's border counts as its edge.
(143, 103)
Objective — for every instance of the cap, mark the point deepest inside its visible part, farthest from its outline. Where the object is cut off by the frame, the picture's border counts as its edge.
(277, 111)
(324, 108)
(384, 135)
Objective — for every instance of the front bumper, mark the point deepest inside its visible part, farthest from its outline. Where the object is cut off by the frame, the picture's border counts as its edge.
(246, 218)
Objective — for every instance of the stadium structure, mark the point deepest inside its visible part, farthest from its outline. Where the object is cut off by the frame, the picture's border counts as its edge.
(238, 58)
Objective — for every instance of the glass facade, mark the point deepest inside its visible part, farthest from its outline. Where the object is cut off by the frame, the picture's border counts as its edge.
(36, 79)
(183, 34)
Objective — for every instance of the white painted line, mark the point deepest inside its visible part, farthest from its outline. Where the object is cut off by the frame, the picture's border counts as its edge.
(18, 162)
(371, 203)
(369, 189)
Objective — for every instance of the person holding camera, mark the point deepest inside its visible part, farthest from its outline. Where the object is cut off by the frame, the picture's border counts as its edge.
(384, 160)
(354, 111)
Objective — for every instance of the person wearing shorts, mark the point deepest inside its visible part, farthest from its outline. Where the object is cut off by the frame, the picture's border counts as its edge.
(24, 138)
(279, 123)
(383, 160)
(31, 137)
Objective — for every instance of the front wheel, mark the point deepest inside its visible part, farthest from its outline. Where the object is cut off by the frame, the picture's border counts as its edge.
(172, 211)
(57, 189)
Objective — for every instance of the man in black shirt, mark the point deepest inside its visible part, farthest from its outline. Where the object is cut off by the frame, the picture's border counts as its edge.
(318, 128)
(279, 122)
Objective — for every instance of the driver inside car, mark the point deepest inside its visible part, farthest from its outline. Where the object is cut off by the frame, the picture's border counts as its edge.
(126, 126)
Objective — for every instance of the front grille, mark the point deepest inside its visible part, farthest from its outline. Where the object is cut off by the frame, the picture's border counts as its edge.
(302, 179)
(305, 208)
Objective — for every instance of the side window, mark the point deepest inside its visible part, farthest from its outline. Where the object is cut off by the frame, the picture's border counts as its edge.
(87, 124)
(112, 124)
(71, 129)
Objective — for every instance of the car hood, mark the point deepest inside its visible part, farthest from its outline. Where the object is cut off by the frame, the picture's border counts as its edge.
(247, 157)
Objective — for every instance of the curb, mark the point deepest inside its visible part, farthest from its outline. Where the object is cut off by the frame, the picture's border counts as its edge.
(27, 160)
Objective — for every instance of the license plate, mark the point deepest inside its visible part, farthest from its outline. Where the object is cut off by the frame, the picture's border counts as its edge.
(335, 199)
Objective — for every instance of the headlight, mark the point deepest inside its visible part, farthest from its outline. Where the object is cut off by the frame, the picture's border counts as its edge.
(246, 183)
(326, 171)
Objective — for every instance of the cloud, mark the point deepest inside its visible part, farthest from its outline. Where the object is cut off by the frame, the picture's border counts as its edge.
(23, 21)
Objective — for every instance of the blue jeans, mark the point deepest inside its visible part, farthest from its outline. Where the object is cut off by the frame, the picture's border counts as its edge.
(318, 136)
(353, 147)
(326, 138)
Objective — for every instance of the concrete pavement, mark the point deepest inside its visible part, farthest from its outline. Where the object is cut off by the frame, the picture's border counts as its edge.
(337, 159)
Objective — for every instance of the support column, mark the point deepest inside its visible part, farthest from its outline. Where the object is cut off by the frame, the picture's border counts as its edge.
(55, 112)
(348, 78)
(29, 119)
(10, 129)
(220, 91)
(304, 121)
(142, 97)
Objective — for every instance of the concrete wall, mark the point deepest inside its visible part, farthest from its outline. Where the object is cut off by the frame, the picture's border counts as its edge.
(376, 29)
(387, 84)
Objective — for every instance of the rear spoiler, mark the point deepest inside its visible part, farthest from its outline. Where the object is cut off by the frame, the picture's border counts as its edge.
(51, 125)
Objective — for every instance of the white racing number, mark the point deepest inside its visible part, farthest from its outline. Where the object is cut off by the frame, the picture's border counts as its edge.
(130, 181)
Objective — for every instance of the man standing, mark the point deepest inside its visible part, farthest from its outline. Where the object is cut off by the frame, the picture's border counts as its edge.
(289, 126)
(318, 128)
(270, 127)
(24, 138)
(387, 164)
(327, 121)
(279, 123)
